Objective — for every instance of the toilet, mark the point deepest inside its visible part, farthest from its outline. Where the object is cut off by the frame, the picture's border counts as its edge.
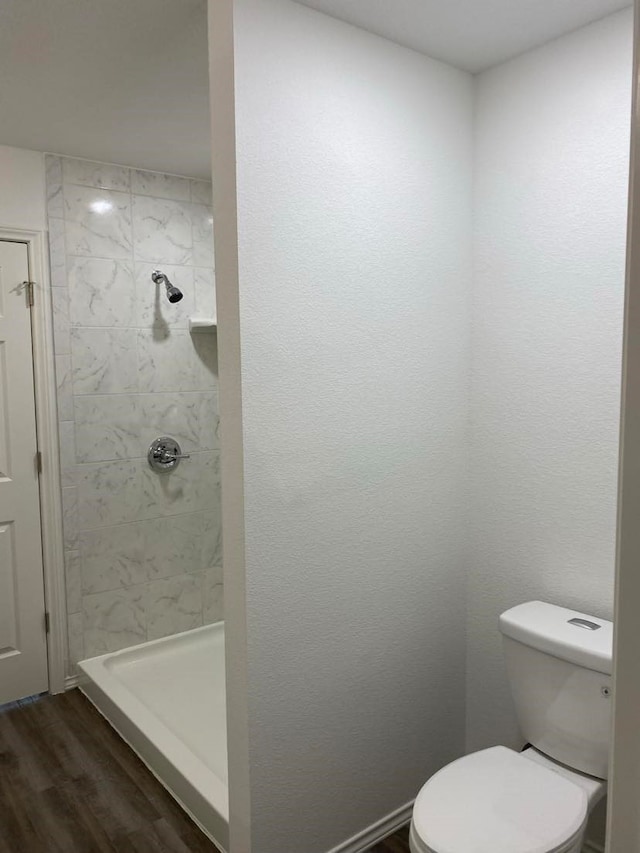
(538, 800)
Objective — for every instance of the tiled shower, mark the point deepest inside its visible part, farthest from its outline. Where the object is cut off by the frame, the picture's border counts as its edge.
(142, 549)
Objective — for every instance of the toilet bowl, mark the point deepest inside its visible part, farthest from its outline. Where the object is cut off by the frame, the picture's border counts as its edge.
(501, 801)
(538, 800)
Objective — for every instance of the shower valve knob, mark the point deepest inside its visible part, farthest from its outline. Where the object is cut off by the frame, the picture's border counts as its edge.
(165, 454)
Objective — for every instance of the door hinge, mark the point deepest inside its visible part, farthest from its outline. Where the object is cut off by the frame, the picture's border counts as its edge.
(47, 622)
(39, 461)
(30, 288)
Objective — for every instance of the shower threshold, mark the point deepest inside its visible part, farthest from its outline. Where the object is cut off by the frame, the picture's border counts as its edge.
(166, 699)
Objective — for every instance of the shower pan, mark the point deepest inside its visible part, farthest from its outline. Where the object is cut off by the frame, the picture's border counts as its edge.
(156, 697)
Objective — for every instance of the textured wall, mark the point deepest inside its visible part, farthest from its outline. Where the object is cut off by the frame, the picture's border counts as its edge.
(143, 556)
(354, 181)
(22, 200)
(550, 226)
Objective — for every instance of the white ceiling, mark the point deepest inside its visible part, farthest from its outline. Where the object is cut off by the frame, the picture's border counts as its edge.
(126, 81)
(471, 34)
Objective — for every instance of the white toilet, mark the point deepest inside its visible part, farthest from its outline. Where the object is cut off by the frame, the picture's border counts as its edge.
(537, 800)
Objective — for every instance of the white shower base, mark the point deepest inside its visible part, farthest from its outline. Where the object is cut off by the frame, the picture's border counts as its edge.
(166, 698)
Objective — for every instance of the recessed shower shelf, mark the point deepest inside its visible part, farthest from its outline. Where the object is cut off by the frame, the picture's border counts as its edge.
(202, 324)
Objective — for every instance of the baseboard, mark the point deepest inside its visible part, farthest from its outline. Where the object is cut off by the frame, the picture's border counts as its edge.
(71, 681)
(376, 832)
(592, 847)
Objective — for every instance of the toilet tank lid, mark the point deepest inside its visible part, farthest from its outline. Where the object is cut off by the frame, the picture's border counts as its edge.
(566, 634)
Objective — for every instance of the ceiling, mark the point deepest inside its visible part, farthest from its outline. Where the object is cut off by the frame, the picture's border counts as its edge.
(470, 34)
(126, 81)
(123, 81)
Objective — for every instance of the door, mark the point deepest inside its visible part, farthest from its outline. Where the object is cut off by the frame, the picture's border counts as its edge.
(23, 643)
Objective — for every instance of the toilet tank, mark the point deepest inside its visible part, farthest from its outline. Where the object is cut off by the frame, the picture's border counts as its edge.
(559, 667)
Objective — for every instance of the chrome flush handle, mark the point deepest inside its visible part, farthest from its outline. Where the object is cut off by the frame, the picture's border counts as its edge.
(165, 454)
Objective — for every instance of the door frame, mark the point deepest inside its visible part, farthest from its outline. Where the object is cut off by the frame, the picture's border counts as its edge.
(47, 430)
(623, 817)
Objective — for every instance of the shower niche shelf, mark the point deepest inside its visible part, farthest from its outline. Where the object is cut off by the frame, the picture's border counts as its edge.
(203, 324)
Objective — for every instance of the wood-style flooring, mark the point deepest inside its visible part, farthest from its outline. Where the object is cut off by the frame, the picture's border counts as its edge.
(396, 843)
(69, 784)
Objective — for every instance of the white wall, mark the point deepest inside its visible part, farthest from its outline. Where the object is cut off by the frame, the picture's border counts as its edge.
(354, 182)
(22, 189)
(551, 163)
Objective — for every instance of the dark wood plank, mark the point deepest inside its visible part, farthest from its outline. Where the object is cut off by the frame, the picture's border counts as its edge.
(396, 843)
(63, 821)
(17, 829)
(69, 784)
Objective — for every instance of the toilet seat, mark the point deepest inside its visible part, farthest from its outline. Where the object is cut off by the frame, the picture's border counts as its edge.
(497, 801)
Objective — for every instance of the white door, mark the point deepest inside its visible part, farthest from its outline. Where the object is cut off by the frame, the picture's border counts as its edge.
(23, 642)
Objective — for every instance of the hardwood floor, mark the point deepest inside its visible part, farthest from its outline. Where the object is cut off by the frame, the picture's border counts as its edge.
(69, 784)
(396, 843)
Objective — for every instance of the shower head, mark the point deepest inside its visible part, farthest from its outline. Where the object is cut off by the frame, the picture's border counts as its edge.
(174, 294)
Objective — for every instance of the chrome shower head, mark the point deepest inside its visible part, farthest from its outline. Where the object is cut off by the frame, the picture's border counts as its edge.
(174, 294)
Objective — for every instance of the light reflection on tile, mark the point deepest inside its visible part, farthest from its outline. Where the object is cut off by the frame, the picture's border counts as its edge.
(98, 222)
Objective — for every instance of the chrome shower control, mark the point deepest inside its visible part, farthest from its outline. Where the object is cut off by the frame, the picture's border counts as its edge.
(165, 454)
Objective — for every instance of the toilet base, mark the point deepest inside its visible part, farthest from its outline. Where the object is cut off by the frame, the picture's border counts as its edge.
(416, 845)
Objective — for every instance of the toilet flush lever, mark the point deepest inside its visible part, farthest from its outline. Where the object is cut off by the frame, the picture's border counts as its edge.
(585, 623)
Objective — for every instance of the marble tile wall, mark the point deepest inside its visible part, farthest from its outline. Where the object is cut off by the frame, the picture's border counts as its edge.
(143, 550)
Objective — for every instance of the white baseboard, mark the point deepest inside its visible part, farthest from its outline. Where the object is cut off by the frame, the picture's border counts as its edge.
(376, 832)
(71, 681)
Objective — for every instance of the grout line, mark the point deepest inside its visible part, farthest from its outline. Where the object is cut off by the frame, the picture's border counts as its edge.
(142, 520)
(137, 393)
(140, 393)
(130, 259)
(118, 459)
(124, 166)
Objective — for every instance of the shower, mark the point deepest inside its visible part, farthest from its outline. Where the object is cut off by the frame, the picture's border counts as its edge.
(174, 294)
